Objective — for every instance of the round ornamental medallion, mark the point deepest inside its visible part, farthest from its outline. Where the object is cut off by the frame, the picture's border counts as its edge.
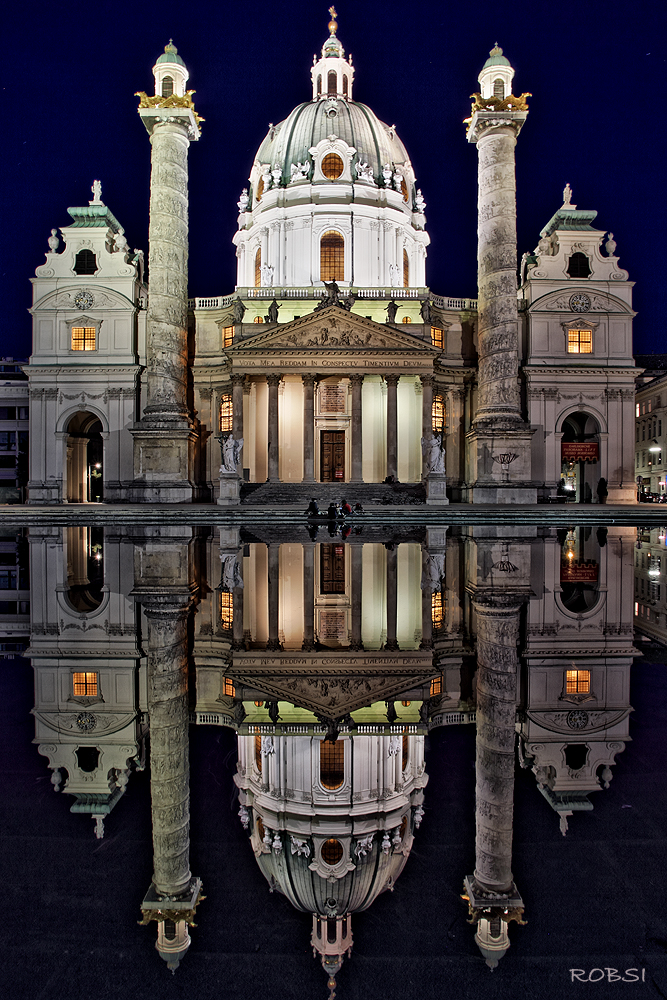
(83, 300)
(86, 722)
(577, 719)
(579, 302)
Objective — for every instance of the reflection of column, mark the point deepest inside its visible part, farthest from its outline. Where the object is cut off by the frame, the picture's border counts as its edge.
(273, 383)
(308, 428)
(427, 601)
(427, 419)
(357, 382)
(356, 556)
(392, 561)
(308, 596)
(392, 426)
(274, 592)
(238, 381)
(494, 899)
(173, 888)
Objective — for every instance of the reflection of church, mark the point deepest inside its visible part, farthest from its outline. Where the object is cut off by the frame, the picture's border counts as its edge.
(331, 659)
(331, 362)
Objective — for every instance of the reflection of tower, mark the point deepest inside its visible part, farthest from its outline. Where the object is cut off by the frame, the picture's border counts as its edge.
(500, 439)
(331, 824)
(163, 584)
(164, 438)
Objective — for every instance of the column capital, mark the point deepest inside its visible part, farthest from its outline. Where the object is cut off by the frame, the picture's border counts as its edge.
(238, 378)
(308, 378)
(427, 378)
(273, 378)
(357, 378)
(392, 379)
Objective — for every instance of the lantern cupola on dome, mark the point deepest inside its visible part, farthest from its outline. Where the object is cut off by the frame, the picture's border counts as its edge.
(170, 72)
(332, 73)
(495, 79)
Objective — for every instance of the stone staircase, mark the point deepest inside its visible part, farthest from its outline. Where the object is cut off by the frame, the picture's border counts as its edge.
(300, 494)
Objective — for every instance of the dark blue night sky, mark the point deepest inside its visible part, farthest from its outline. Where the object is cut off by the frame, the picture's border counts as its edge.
(596, 71)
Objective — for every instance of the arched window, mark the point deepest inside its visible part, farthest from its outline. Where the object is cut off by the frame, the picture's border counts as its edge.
(406, 319)
(406, 268)
(332, 257)
(332, 760)
(258, 750)
(260, 189)
(319, 85)
(404, 191)
(332, 166)
(332, 84)
(258, 319)
(344, 85)
(167, 86)
(579, 266)
(438, 413)
(258, 267)
(226, 413)
(85, 262)
(499, 89)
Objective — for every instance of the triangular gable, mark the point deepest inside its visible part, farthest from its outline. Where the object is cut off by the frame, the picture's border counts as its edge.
(333, 329)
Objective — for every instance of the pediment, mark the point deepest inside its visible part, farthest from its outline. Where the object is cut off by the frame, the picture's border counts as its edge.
(333, 684)
(561, 301)
(333, 329)
(86, 296)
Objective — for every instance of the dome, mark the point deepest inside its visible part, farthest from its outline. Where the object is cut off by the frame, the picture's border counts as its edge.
(290, 141)
(170, 55)
(496, 58)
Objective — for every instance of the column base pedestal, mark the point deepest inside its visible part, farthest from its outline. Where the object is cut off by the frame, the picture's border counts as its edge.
(499, 464)
(163, 463)
(436, 490)
(230, 490)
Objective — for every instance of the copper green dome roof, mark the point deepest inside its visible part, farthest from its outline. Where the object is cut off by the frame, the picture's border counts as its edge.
(170, 55)
(309, 123)
(496, 58)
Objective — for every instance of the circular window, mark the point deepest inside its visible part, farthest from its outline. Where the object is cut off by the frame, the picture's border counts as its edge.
(332, 166)
(332, 852)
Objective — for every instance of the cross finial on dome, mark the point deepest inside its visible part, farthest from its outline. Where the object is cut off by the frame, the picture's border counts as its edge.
(333, 24)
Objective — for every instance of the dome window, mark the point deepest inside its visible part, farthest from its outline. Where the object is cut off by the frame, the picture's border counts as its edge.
(332, 256)
(319, 85)
(167, 86)
(404, 191)
(332, 851)
(85, 262)
(258, 750)
(258, 266)
(406, 265)
(579, 266)
(332, 166)
(332, 84)
(260, 189)
(499, 89)
(332, 760)
(344, 85)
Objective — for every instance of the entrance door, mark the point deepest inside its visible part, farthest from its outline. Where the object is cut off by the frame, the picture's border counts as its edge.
(332, 456)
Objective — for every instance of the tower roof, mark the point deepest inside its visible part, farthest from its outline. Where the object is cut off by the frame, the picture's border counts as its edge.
(496, 58)
(170, 55)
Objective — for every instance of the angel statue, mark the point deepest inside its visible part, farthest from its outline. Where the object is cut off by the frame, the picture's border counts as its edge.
(231, 453)
(436, 453)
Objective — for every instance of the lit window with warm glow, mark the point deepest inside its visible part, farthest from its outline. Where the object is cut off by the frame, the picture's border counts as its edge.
(83, 338)
(85, 685)
(332, 257)
(436, 686)
(332, 851)
(332, 166)
(227, 336)
(579, 341)
(437, 610)
(226, 613)
(228, 688)
(258, 752)
(258, 319)
(406, 264)
(406, 319)
(578, 681)
(332, 760)
(260, 189)
(438, 413)
(226, 413)
(437, 338)
(258, 267)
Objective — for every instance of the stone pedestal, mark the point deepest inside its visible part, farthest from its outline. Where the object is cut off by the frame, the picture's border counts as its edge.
(230, 489)
(499, 465)
(436, 490)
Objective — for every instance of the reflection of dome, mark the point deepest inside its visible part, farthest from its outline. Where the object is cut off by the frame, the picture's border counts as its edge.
(311, 122)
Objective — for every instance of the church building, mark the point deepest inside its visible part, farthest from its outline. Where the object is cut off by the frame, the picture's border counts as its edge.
(332, 366)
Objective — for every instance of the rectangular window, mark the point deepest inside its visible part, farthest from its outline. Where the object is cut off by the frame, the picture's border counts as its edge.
(637, 433)
(7, 413)
(226, 413)
(578, 681)
(83, 338)
(24, 413)
(437, 610)
(228, 688)
(636, 409)
(436, 686)
(227, 336)
(226, 609)
(7, 441)
(579, 341)
(438, 413)
(7, 579)
(650, 402)
(437, 338)
(85, 685)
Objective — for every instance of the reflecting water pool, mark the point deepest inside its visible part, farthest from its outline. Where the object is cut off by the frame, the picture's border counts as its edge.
(334, 760)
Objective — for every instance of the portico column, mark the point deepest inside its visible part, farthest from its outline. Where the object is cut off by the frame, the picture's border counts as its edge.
(274, 593)
(427, 418)
(356, 553)
(427, 600)
(494, 899)
(308, 596)
(273, 440)
(392, 426)
(357, 381)
(392, 566)
(308, 428)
